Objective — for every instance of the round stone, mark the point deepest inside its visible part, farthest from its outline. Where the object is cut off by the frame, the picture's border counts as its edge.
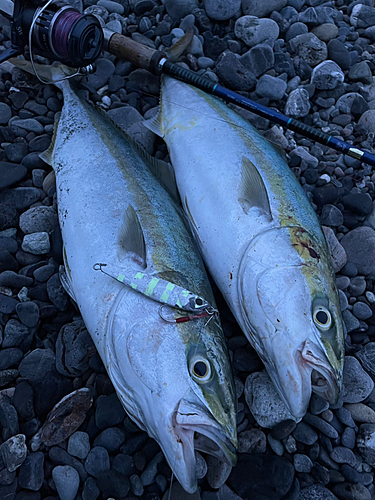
(357, 384)
(327, 75)
(221, 10)
(5, 113)
(79, 445)
(359, 245)
(254, 31)
(36, 243)
(38, 219)
(66, 480)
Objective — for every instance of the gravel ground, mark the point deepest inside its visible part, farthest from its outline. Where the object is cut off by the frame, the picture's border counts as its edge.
(311, 59)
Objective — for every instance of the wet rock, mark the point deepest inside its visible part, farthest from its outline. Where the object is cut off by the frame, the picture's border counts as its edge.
(221, 10)
(65, 418)
(218, 472)
(298, 103)
(264, 401)
(233, 73)
(261, 9)
(79, 445)
(38, 219)
(97, 461)
(357, 385)
(361, 413)
(10, 173)
(36, 243)
(14, 451)
(327, 75)
(309, 48)
(337, 252)
(253, 31)
(31, 472)
(66, 480)
(74, 347)
(359, 245)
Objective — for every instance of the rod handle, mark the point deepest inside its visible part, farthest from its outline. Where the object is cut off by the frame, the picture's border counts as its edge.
(136, 53)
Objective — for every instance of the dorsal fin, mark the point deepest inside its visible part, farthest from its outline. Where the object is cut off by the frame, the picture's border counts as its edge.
(131, 236)
(253, 192)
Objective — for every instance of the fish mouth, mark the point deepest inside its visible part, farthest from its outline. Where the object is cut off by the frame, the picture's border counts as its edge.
(196, 429)
(325, 381)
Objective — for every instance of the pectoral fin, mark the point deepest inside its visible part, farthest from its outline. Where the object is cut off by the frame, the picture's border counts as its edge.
(253, 192)
(131, 236)
(155, 125)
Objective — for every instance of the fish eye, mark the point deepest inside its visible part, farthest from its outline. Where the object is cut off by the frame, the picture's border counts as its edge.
(200, 369)
(198, 302)
(322, 318)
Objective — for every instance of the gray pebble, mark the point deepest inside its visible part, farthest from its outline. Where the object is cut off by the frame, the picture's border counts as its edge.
(43, 273)
(348, 438)
(36, 243)
(114, 25)
(15, 333)
(253, 440)
(271, 87)
(30, 124)
(221, 10)
(360, 245)
(343, 300)
(357, 286)
(262, 9)
(290, 444)
(31, 473)
(298, 103)
(343, 455)
(149, 474)
(361, 413)
(331, 216)
(97, 461)
(254, 31)
(309, 48)
(345, 417)
(218, 472)
(348, 491)
(136, 485)
(357, 384)
(38, 219)
(316, 492)
(14, 451)
(14, 280)
(302, 463)
(276, 445)
(351, 322)
(320, 424)
(79, 445)
(362, 311)
(111, 6)
(5, 113)
(66, 480)
(327, 75)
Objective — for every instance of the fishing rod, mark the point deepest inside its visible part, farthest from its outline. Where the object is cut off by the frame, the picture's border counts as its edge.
(62, 33)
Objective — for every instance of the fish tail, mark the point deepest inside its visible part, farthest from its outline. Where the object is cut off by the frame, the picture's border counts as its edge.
(51, 73)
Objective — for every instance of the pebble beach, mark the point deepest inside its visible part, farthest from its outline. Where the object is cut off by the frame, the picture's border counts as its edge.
(63, 432)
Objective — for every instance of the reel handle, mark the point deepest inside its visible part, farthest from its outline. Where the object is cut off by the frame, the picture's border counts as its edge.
(136, 53)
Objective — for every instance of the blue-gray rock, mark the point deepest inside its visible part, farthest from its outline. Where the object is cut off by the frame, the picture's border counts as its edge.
(295, 30)
(362, 311)
(109, 411)
(360, 72)
(326, 31)
(327, 75)
(321, 425)
(283, 429)
(318, 404)
(348, 491)
(136, 485)
(28, 313)
(276, 445)
(8, 216)
(305, 434)
(259, 59)
(111, 439)
(36, 364)
(14, 451)
(38, 219)
(259, 8)
(316, 492)
(264, 401)
(123, 463)
(309, 48)
(111, 6)
(5, 113)
(113, 484)
(178, 9)
(205, 62)
(56, 293)
(74, 347)
(362, 16)
(357, 384)
(345, 417)
(10, 357)
(59, 456)
(22, 400)
(40, 143)
(222, 10)
(357, 286)
(66, 480)
(233, 73)
(343, 455)
(253, 440)
(16, 152)
(8, 420)
(367, 120)
(271, 87)
(97, 461)
(20, 197)
(302, 463)
(149, 474)
(348, 438)
(366, 443)
(114, 25)
(44, 273)
(10, 173)
(361, 413)
(31, 472)
(359, 245)
(253, 31)
(7, 304)
(298, 103)
(218, 472)
(29, 124)
(79, 445)
(36, 243)
(15, 333)
(90, 490)
(331, 216)
(14, 280)
(351, 322)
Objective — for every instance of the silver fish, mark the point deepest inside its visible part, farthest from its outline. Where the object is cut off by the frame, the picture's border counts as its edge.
(260, 239)
(173, 379)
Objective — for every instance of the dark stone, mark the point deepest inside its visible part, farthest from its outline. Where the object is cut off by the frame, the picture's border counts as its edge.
(134, 444)
(360, 72)
(28, 313)
(284, 64)
(8, 217)
(31, 471)
(40, 143)
(311, 175)
(247, 360)
(322, 425)
(338, 53)
(7, 304)
(7, 261)
(109, 411)
(283, 429)
(37, 365)
(347, 491)
(74, 347)
(8, 492)
(8, 420)
(123, 464)
(16, 152)
(15, 334)
(56, 293)
(305, 434)
(258, 59)
(59, 456)
(111, 439)
(316, 492)
(112, 483)
(97, 461)
(11, 173)
(359, 204)
(264, 477)
(10, 357)
(324, 195)
(18, 99)
(90, 490)
(21, 197)
(233, 73)
(22, 400)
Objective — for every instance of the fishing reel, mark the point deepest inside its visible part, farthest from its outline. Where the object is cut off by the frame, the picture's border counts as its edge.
(54, 30)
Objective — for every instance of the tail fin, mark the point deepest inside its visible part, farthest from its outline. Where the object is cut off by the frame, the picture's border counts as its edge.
(54, 73)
